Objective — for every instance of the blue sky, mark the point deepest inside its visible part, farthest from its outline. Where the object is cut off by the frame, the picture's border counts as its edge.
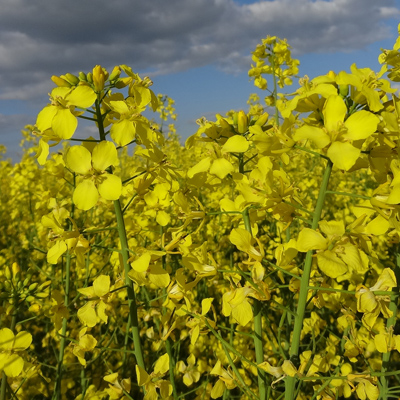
(196, 51)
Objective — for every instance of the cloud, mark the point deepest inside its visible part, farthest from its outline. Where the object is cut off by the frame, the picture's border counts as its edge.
(41, 38)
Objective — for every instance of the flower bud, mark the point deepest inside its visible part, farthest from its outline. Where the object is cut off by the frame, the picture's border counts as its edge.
(344, 90)
(122, 82)
(7, 272)
(82, 76)
(89, 77)
(242, 122)
(33, 286)
(116, 72)
(262, 119)
(72, 79)
(99, 78)
(60, 81)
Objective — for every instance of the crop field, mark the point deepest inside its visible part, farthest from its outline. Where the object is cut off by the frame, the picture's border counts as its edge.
(260, 260)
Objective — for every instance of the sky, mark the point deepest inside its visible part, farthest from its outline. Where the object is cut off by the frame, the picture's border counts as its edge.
(198, 52)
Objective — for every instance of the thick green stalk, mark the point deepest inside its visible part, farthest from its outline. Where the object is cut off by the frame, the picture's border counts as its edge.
(257, 327)
(290, 382)
(129, 284)
(134, 322)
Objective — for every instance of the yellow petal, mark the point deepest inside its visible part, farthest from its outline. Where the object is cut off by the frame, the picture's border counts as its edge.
(104, 155)
(163, 218)
(332, 228)
(236, 144)
(45, 117)
(361, 125)
(201, 166)
(119, 106)
(64, 123)
(316, 135)
(6, 339)
(22, 341)
(81, 96)
(123, 132)
(141, 375)
(288, 368)
(221, 167)
(101, 285)
(378, 226)
(343, 155)
(394, 196)
(56, 252)
(158, 276)
(218, 389)
(334, 112)
(110, 187)
(330, 264)
(87, 314)
(142, 263)
(206, 305)
(243, 313)
(42, 152)
(381, 342)
(85, 195)
(78, 159)
(87, 342)
(162, 364)
(309, 239)
(101, 311)
(13, 365)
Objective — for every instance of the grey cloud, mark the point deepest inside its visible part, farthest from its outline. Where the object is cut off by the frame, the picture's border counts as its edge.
(42, 38)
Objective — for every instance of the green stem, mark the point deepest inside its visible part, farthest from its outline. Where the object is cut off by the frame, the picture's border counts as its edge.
(171, 368)
(134, 322)
(129, 284)
(257, 327)
(290, 382)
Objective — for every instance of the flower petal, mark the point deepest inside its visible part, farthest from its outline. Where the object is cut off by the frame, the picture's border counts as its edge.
(361, 125)
(236, 144)
(64, 123)
(110, 187)
(78, 159)
(85, 195)
(81, 96)
(104, 155)
(101, 285)
(343, 155)
(334, 112)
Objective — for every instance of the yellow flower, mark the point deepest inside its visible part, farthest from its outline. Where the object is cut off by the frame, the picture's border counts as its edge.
(372, 305)
(96, 181)
(338, 135)
(60, 115)
(94, 310)
(10, 362)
